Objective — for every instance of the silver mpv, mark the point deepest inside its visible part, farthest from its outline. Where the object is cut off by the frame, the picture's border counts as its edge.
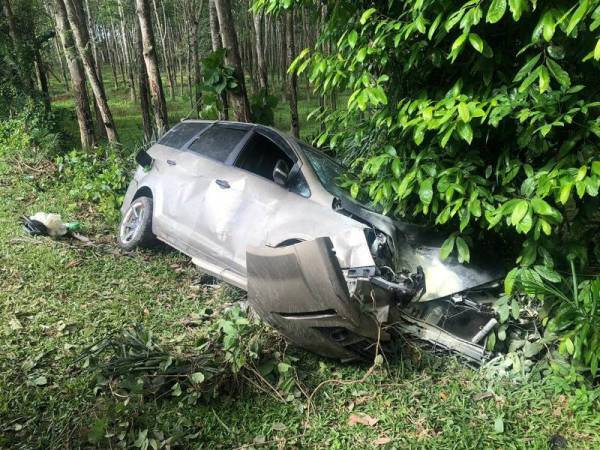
(262, 211)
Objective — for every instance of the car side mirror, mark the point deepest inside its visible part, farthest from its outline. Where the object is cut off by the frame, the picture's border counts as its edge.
(143, 158)
(281, 173)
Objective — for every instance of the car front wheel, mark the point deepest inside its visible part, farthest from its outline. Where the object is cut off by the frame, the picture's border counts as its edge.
(135, 229)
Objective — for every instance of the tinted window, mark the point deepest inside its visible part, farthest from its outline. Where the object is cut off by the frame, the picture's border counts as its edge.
(218, 142)
(182, 133)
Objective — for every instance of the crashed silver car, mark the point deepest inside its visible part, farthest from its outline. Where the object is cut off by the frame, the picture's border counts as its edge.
(262, 211)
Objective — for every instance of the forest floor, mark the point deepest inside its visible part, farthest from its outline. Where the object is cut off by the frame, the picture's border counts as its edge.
(58, 297)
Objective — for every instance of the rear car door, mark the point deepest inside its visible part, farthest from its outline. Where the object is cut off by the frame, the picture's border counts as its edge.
(168, 155)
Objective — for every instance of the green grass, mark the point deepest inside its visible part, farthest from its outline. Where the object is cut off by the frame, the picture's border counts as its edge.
(59, 297)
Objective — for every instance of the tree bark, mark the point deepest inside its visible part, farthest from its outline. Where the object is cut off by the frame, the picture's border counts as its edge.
(128, 62)
(263, 80)
(196, 56)
(292, 77)
(144, 85)
(88, 65)
(156, 89)
(217, 44)
(82, 105)
(238, 97)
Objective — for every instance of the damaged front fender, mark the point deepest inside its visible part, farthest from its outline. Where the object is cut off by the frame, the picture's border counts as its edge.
(302, 291)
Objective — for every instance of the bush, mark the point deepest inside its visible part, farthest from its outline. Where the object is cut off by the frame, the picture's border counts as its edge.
(100, 177)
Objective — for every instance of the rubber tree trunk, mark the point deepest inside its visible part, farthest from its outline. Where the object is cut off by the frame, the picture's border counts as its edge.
(144, 85)
(292, 77)
(263, 80)
(238, 97)
(82, 105)
(128, 62)
(92, 76)
(217, 44)
(196, 57)
(157, 94)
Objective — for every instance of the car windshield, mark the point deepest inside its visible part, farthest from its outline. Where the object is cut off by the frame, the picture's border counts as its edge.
(328, 171)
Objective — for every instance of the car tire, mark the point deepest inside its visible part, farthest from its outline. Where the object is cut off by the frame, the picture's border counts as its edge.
(135, 229)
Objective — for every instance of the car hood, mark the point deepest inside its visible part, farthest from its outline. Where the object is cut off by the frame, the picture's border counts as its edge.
(420, 246)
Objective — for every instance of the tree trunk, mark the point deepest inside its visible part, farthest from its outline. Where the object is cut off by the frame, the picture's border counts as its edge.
(238, 97)
(292, 77)
(82, 105)
(263, 80)
(89, 34)
(156, 90)
(196, 56)
(144, 85)
(88, 65)
(217, 44)
(42, 77)
(128, 62)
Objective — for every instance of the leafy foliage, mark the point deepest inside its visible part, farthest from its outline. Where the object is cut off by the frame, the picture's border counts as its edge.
(480, 117)
(100, 177)
(236, 351)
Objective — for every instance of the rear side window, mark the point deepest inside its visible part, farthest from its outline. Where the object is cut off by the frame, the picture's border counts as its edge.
(182, 133)
(218, 142)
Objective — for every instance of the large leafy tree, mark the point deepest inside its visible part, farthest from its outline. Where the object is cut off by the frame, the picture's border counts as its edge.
(479, 116)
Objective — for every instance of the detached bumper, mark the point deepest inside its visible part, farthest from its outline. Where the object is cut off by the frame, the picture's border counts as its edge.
(302, 291)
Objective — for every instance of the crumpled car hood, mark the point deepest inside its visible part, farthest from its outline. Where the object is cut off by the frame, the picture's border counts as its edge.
(419, 246)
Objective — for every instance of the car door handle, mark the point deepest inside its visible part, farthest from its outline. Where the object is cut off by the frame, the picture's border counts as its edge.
(171, 162)
(223, 184)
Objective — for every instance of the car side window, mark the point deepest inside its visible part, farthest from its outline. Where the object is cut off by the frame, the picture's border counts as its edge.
(218, 142)
(180, 134)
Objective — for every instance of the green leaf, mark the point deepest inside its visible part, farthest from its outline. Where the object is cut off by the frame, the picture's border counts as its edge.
(354, 190)
(516, 8)
(197, 377)
(496, 11)
(526, 69)
(569, 345)
(577, 16)
(365, 16)
(509, 281)
(465, 131)
(463, 112)
(542, 207)
(544, 79)
(426, 191)
(519, 212)
(515, 309)
(463, 250)
(549, 25)
(40, 381)
(558, 72)
(547, 273)
(434, 26)
(352, 38)
(530, 79)
(596, 167)
(597, 51)
(565, 193)
(447, 247)
(476, 42)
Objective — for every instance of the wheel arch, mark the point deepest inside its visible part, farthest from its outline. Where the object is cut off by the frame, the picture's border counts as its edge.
(144, 191)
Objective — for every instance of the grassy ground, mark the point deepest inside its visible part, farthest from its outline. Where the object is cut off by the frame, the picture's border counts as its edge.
(59, 297)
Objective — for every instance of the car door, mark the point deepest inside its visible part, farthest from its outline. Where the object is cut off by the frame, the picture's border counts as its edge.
(238, 215)
(204, 202)
(171, 177)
